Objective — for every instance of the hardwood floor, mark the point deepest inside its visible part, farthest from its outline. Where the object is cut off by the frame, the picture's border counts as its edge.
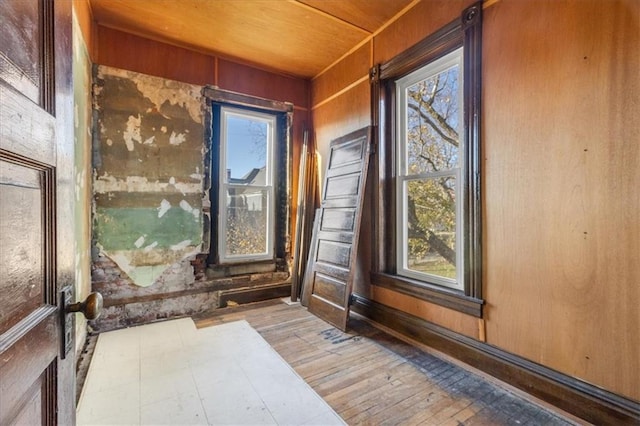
(370, 377)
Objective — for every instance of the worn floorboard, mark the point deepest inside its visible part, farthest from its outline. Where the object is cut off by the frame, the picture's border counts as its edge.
(370, 377)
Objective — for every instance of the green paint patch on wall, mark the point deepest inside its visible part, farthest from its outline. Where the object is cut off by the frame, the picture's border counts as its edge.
(142, 229)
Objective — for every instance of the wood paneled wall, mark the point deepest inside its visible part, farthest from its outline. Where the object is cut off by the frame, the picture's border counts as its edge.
(561, 177)
(424, 18)
(560, 172)
(130, 52)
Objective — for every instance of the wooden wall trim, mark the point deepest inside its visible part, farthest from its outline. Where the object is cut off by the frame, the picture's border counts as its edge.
(252, 295)
(330, 17)
(579, 398)
(488, 3)
(434, 294)
(219, 95)
(222, 287)
(341, 92)
(369, 38)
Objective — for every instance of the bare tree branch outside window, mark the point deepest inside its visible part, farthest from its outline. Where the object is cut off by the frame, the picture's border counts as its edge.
(432, 147)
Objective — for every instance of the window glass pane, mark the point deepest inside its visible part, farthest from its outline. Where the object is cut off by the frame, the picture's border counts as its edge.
(247, 146)
(433, 117)
(431, 226)
(247, 218)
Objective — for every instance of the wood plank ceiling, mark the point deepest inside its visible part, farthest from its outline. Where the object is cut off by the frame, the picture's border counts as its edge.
(297, 37)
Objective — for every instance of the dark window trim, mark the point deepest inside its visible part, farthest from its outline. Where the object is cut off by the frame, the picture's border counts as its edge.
(216, 97)
(467, 32)
(443, 296)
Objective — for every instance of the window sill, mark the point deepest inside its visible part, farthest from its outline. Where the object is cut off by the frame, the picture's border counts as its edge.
(447, 298)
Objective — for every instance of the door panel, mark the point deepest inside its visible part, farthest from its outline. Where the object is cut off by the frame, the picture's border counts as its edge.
(36, 150)
(336, 236)
(21, 59)
(21, 233)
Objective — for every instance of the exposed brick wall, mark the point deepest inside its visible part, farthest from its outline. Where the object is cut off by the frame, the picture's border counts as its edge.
(182, 290)
(176, 293)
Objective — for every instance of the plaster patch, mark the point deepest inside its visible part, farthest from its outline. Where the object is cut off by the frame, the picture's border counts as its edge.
(181, 245)
(97, 91)
(109, 142)
(177, 138)
(132, 132)
(172, 180)
(159, 90)
(164, 207)
(144, 276)
(150, 246)
(187, 188)
(139, 242)
(122, 261)
(107, 178)
(106, 183)
(163, 129)
(80, 178)
(137, 267)
(184, 205)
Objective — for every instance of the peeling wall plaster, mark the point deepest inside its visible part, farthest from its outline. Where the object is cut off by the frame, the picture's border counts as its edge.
(82, 165)
(148, 162)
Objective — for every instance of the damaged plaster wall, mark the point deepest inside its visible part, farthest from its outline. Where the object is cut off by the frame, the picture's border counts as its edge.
(82, 165)
(148, 171)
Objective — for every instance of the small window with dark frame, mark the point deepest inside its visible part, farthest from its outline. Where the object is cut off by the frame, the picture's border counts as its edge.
(246, 175)
(429, 138)
(249, 176)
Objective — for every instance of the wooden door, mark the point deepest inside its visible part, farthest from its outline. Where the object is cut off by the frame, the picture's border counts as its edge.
(36, 177)
(336, 236)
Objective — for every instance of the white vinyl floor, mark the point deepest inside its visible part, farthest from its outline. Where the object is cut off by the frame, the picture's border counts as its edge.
(172, 373)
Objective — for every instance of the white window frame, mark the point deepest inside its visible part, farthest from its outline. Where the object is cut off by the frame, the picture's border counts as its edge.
(225, 185)
(454, 58)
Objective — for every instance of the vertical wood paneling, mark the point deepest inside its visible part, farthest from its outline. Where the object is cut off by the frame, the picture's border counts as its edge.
(344, 73)
(301, 122)
(423, 19)
(456, 321)
(342, 115)
(253, 81)
(127, 51)
(562, 205)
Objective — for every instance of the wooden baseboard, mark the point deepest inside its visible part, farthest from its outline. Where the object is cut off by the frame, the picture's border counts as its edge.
(574, 396)
(255, 294)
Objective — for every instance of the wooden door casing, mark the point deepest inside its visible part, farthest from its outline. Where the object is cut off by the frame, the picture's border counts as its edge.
(36, 203)
(336, 236)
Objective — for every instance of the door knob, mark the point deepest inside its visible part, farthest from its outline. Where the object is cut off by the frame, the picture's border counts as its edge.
(91, 307)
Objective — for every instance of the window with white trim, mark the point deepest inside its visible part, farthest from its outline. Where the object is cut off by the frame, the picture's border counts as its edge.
(429, 111)
(246, 176)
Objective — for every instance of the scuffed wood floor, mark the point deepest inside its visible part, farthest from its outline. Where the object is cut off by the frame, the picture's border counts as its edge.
(370, 377)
